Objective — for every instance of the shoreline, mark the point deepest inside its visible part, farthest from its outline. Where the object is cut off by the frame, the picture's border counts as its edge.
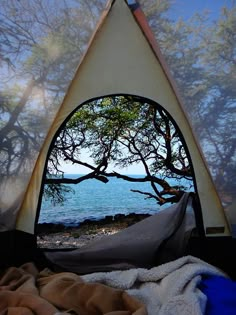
(60, 236)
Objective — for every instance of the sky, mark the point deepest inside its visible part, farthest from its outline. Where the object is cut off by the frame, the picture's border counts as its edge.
(131, 170)
(187, 8)
(136, 169)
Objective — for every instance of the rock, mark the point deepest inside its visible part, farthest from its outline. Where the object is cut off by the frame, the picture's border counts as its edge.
(119, 217)
(58, 236)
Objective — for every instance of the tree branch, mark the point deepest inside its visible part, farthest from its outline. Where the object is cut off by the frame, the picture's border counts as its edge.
(76, 180)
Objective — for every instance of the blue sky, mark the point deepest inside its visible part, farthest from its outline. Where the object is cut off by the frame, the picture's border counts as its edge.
(187, 8)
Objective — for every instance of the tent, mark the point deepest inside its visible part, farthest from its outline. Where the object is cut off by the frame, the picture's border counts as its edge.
(122, 52)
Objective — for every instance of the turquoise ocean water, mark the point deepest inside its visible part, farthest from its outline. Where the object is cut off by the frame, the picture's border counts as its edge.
(93, 199)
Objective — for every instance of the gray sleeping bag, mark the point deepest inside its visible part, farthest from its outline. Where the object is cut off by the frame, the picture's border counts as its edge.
(154, 240)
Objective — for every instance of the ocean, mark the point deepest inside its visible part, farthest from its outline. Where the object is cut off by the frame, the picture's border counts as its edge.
(94, 200)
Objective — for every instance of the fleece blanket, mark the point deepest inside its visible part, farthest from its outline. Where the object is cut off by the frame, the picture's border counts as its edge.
(26, 291)
(169, 289)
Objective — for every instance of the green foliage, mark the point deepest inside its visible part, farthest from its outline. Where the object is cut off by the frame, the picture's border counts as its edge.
(57, 193)
(120, 131)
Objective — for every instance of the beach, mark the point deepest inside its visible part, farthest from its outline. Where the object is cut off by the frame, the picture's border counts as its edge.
(59, 236)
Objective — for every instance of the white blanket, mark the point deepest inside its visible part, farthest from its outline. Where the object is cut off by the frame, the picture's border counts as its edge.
(169, 289)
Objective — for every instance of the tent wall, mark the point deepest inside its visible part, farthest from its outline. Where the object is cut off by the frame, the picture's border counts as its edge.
(120, 60)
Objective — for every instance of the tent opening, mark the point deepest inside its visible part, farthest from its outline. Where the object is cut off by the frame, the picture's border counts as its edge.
(113, 156)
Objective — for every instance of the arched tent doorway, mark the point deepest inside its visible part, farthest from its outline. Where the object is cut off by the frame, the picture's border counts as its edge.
(121, 130)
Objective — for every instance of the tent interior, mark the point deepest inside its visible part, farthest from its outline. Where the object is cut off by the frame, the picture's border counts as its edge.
(58, 55)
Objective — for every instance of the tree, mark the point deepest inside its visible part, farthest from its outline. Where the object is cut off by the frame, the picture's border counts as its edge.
(121, 131)
(219, 139)
(200, 53)
(40, 48)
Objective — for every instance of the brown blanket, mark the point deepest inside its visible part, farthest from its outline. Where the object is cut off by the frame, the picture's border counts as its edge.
(26, 291)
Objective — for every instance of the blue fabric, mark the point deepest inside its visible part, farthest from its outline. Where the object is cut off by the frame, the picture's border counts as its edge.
(221, 295)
